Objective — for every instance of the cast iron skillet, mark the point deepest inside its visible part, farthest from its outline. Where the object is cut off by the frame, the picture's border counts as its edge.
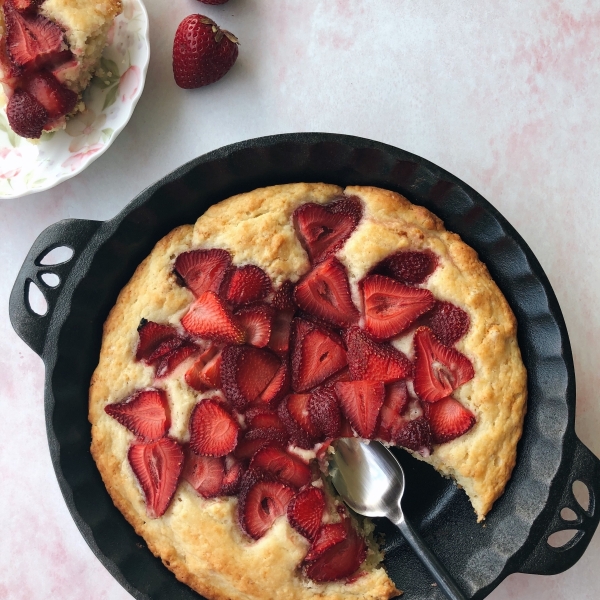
(106, 254)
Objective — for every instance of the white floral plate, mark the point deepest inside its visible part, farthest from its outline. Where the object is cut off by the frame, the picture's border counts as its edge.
(27, 167)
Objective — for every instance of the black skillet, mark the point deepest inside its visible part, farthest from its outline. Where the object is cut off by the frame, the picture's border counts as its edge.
(551, 457)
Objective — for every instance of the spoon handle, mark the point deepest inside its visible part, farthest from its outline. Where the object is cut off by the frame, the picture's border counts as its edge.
(441, 576)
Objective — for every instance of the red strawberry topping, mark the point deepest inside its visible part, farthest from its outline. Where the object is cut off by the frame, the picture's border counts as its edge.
(234, 471)
(325, 293)
(278, 388)
(305, 511)
(414, 434)
(439, 370)
(283, 298)
(208, 318)
(155, 340)
(204, 473)
(339, 560)
(390, 420)
(145, 413)
(246, 284)
(157, 466)
(286, 467)
(449, 419)
(361, 402)
(255, 439)
(255, 322)
(203, 270)
(281, 326)
(263, 417)
(169, 362)
(299, 436)
(324, 411)
(202, 52)
(26, 116)
(262, 499)
(298, 408)
(391, 307)
(378, 362)
(407, 266)
(326, 537)
(447, 322)
(246, 373)
(323, 230)
(205, 373)
(54, 97)
(213, 431)
(317, 354)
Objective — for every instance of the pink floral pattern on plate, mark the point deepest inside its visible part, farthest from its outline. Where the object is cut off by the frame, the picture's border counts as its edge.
(27, 167)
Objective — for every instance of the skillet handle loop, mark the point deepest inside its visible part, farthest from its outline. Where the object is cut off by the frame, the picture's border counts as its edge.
(30, 325)
(548, 560)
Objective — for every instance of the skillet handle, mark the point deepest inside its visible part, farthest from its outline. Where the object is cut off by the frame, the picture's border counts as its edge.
(547, 560)
(29, 325)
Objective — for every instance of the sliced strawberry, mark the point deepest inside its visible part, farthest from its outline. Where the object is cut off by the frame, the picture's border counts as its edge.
(297, 434)
(361, 402)
(255, 322)
(204, 473)
(390, 420)
(54, 97)
(317, 354)
(326, 536)
(283, 298)
(298, 407)
(24, 5)
(281, 326)
(154, 340)
(439, 370)
(447, 322)
(324, 411)
(323, 229)
(262, 499)
(408, 266)
(339, 560)
(343, 375)
(234, 471)
(255, 439)
(414, 434)
(145, 413)
(26, 116)
(391, 307)
(305, 511)
(165, 348)
(278, 388)
(157, 467)
(213, 431)
(246, 284)
(378, 362)
(168, 363)
(449, 419)
(286, 467)
(208, 318)
(203, 270)
(204, 374)
(246, 372)
(263, 417)
(325, 293)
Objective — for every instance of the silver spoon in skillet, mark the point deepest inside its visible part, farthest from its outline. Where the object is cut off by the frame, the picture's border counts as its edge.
(371, 482)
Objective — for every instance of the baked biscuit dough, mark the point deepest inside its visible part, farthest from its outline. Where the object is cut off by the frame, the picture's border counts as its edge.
(199, 539)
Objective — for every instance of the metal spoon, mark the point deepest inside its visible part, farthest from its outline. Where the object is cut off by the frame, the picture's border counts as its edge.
(371, 482)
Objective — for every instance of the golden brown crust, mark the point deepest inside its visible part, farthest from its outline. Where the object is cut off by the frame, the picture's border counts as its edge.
(198, 539)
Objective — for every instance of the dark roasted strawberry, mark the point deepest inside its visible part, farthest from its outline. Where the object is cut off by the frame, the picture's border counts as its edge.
(339, 560)
(278, 388)
(213, 431)
(246, 372)
(439, 370)
(31, 39)
(204, 473)
(447, 322)
(246, 284)
(390, 420)
(449, 419)
(317, 354)
(326, 537)
(234, 471)
(324, 410)
(155, 340)
(203, 270)
(255, 439)
(414, 434)
(281, 326)
(54, 97)
(283, 298)
(361, 402)
(390, 307)
(210, 319)
(408, 266)
(145, 413)
(168, 363)
(26, 116)
(205, 373)
(287, 467)
(323, 229)
(325, 293)
(157, 467)
(262, 499)
(378, 362)
(305, 511)
(255, 322)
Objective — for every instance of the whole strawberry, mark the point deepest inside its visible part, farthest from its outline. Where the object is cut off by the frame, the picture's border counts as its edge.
(202, 52)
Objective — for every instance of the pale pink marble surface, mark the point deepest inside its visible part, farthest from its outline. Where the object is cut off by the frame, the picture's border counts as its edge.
(505, 95)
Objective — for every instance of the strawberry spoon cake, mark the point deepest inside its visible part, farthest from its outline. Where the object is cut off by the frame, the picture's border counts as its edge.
(244, 345)
(49, 50)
